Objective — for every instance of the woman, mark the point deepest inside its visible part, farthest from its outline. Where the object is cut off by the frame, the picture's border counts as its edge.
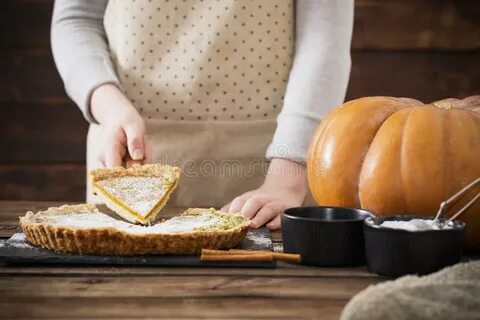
(212, 86)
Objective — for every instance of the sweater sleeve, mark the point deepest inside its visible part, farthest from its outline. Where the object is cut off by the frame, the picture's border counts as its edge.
(319, 75)
(80, 49)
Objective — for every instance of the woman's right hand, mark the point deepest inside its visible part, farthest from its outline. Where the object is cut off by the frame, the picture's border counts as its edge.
(123, 129)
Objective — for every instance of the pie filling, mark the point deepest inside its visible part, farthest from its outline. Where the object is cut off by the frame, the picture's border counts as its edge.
(190, 220)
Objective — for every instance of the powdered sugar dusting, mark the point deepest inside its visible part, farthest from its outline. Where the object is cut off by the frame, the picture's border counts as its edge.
(18, 237)
(18, 240)
(174, 225)
(415, 225)
(139, 193)
(257, 241)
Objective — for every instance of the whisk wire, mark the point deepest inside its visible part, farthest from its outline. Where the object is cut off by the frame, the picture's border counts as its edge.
(453, 199)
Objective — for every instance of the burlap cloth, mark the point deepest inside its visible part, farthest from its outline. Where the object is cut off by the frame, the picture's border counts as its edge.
(452, 293)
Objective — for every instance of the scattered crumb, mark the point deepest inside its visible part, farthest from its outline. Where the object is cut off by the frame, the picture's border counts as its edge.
(18, 237)
(257, 241)
(18, 240)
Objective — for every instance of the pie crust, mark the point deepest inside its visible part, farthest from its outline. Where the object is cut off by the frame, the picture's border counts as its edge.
(85, 230)
(137, 193)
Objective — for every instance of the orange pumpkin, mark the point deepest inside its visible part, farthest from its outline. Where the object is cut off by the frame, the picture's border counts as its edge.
(398, 156)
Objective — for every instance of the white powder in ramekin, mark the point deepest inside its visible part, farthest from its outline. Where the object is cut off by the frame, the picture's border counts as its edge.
(416, 225)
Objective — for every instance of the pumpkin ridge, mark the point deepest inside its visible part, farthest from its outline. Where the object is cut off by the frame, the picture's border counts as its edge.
(406, 106)
(446, 153)
(425, 175)
(359, 172)
(319, 141)
(314, 145)
(402, 157)
(367, 176)
(393, 111)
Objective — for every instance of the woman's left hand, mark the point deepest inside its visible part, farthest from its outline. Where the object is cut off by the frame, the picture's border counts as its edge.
(285, 186)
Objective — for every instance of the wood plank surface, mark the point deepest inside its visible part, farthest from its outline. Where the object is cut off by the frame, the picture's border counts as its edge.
(179, 308)
(174, 287)
(380, 25)
(39, 133)
(424, 76)
(416, 25)
(62, 182)
(25, 23)
(30, 76)
(283, 270)
(16, 208)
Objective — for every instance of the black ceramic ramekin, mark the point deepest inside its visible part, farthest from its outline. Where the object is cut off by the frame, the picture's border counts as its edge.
(395, 252)
(325, 236)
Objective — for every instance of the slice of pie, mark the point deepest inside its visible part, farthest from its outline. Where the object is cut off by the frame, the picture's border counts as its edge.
(83, 229)
(138, 193)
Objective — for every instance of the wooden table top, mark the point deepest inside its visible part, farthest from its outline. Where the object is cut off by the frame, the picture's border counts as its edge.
(289, 291)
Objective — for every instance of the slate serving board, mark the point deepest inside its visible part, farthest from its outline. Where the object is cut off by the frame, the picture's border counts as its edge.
(17, 250)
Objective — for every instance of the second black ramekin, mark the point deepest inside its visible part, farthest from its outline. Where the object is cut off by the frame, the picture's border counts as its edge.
(396, 252)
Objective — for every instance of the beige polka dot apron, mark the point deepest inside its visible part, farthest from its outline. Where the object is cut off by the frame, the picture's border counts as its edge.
(208, 78)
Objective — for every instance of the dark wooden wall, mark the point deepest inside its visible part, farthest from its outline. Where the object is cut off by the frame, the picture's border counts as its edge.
(426, 49)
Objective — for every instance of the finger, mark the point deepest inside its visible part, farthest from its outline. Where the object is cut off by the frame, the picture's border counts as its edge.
(99, 162)
(147, 157)
(266, 214)
(472, 101)
(113, 155)
(135, 143)
(129, 162)
(276, 223)
(252, 205)
(225, 207)
(237, 204)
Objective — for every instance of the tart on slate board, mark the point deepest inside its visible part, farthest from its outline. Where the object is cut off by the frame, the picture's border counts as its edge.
(138, 193)
(83, 229)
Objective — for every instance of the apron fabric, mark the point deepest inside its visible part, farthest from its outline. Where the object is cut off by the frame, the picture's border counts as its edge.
(208, 78)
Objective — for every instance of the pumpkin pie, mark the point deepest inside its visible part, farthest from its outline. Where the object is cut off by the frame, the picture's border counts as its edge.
(84, 229)
(137, 193)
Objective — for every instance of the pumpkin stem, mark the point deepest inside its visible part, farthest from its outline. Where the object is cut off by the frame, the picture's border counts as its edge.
(443, 105)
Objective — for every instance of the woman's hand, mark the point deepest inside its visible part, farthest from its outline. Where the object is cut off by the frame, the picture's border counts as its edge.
(285, 186)
(124, 141)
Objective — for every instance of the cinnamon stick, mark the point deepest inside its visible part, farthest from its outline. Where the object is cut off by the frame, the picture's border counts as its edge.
(223, 255)
(243, 251)
(237, 257)
(279, 256)
(212, 252)
(287, 257)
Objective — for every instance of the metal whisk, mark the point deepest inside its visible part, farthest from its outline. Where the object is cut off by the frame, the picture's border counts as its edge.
(454, 198)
